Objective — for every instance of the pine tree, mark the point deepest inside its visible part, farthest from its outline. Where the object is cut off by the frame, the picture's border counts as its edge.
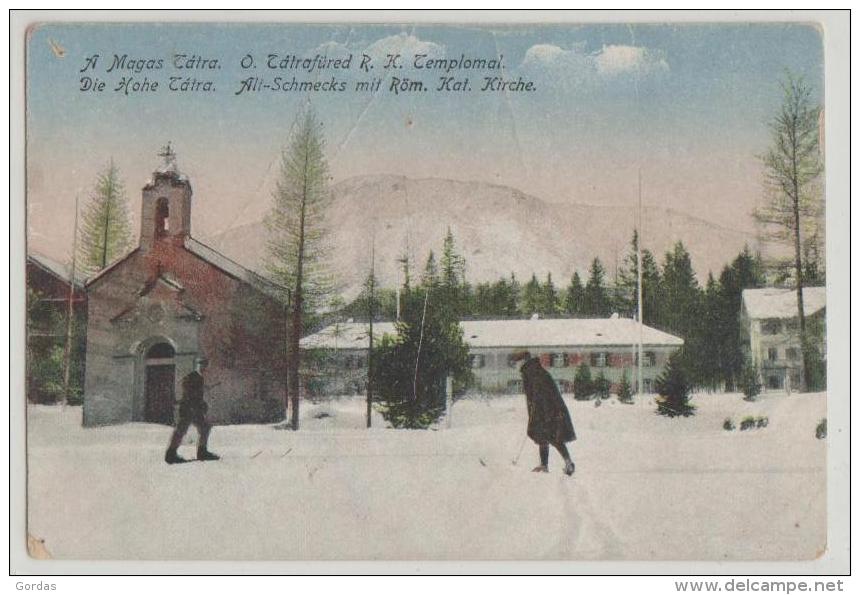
(453, 264)
(574, 298)
(627, 292)
(674, 389)
(430, 278)
(531, 297)
(625, 390)
(680, 297)
(744, 272)
(750, 384)
(454, 289)
(583, 386)
(793, 168)
(105, 230)
(512, 298)
(601, 385)
(596, 303)
(548, 303)
(297, 248)
(410, 370)
(708, 355)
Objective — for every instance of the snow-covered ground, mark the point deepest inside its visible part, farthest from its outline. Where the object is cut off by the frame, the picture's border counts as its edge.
(646, 487)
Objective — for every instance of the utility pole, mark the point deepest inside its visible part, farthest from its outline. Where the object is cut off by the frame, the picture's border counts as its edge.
(371, 311)
(67, 352)
(639, 288)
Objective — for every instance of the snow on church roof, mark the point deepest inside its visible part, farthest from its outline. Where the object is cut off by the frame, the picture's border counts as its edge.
(558, 332)
(775, 302)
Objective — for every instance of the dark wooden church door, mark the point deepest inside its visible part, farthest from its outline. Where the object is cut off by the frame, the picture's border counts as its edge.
(159, 385)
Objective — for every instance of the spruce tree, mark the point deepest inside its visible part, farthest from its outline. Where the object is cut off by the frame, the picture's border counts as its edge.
(601, 385)
(625, 390)
(680, 294)
(744, 272)
(596, 303)
(583, 386)
(531, 297)
(410, 370)
(454, 289)
(627, 290)
(574, 298)
(548, 304)
(430, 278)
(674, 389)
(750, 384)
(105, 232)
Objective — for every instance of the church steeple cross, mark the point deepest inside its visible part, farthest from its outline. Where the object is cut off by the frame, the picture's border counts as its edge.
(169, 156)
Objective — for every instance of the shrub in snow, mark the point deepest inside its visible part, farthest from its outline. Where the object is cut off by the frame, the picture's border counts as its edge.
(821, 430)
(583, 386)
(601, 386)
(749, 383)
(748, 423)
(674, 390)
(728, 424)
(410, 369)
(761, 422)
(625, 391)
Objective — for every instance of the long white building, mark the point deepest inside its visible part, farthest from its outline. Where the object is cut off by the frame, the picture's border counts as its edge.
(338, 362)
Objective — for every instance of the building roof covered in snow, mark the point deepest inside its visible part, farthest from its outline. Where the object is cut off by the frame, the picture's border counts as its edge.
(775, 302)
(555, 332)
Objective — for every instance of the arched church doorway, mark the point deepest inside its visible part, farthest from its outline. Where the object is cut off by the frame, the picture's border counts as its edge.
(159, 384)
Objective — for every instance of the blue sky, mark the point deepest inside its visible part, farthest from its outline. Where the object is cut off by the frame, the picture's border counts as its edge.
(689, 104)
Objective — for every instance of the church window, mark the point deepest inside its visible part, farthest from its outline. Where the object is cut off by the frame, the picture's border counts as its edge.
(162, 217)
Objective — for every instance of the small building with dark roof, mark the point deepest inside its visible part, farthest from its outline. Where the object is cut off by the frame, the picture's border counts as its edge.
(174, 300)
(50, 288)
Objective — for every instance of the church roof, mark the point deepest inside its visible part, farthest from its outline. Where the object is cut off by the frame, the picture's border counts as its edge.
(216, 259)
(110, 267)
(233, 268)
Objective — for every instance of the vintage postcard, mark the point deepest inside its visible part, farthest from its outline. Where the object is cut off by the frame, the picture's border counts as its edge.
(431, 290)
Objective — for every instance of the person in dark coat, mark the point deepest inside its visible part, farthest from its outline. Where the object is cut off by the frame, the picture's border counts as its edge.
(192, 411)
(549, 419)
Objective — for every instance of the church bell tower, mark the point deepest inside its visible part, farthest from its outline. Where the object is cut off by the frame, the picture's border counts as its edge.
(166, 205)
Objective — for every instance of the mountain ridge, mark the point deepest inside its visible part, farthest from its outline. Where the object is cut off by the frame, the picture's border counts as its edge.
(497, 228)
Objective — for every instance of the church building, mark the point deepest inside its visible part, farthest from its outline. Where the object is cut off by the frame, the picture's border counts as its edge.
(174, 300)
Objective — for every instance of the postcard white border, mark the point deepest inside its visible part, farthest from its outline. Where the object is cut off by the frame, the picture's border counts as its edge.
(835, 561)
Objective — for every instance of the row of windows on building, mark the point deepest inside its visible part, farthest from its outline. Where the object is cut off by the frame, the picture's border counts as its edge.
(598, 359)
(791, 353)
(566, 386)
(775, 326)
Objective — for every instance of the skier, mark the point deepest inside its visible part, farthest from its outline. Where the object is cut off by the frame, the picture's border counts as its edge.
(192, 410)
(549, 419)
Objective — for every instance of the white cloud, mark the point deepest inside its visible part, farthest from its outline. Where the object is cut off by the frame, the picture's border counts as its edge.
(614, 60)
(609, 62)
(544, 53)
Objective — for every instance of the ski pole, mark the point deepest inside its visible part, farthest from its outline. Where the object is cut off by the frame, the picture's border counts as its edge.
(519, 452)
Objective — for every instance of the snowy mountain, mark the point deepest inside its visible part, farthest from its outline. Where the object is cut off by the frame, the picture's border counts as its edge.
(498, 229)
